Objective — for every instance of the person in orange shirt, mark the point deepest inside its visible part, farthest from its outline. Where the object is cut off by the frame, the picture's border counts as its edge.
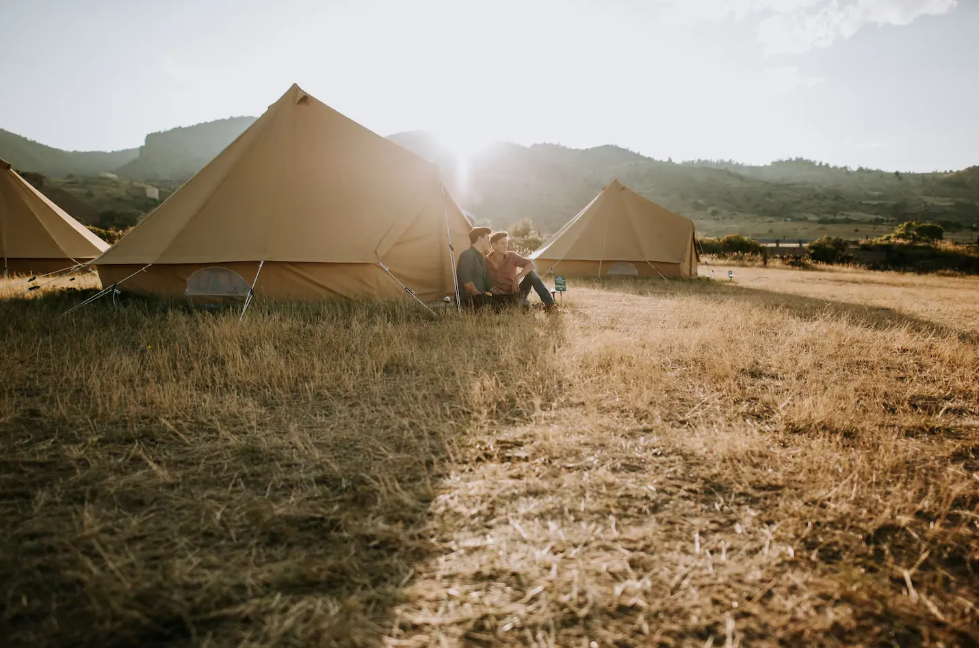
(512, 275)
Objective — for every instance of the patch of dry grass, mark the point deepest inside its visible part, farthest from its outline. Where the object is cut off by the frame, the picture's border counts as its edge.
(19, 286)
(775, 461)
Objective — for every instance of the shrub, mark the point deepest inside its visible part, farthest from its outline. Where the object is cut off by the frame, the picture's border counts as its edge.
(919, 257)
(710, 246)
(110, 236)
(730, 245)
(914, 231)
(828, 249)
(119, 219)
(524, 237)
(736, 243)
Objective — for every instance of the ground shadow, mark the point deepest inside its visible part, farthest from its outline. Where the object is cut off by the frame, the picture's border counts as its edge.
(296, 516)
(808, 308)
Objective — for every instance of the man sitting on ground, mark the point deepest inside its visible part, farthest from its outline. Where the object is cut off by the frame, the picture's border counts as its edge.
(512, 275)
(474, 279)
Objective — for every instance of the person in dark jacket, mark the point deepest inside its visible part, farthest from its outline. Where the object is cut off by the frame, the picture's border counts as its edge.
(474, 279)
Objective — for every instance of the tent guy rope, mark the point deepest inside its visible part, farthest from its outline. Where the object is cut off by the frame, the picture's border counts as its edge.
(407, 289)
(251, 291)
(106, 291)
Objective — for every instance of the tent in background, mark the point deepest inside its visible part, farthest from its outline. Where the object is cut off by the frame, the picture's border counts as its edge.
(36, 236)
(325, 207)
(621, 233)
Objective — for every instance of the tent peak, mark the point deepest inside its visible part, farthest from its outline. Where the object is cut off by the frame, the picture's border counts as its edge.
(301, 95)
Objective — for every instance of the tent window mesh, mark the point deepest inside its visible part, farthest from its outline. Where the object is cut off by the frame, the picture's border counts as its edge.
(216, 283)
(623, 269)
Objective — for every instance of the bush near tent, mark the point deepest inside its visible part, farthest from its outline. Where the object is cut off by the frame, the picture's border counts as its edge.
(110, 236)
(918, 232)
(829, 249)
(918, 257)
(524, 237)
(730, 245)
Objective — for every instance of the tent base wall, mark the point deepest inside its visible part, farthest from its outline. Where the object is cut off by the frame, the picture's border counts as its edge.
(613, 268)
(37, 266)
(279, 281)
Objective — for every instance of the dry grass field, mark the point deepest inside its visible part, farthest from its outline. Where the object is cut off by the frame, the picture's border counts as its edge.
(790, 458)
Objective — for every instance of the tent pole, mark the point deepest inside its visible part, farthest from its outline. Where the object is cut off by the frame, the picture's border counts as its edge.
(452, 252)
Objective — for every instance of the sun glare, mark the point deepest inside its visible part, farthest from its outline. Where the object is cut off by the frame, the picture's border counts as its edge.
(463, 145)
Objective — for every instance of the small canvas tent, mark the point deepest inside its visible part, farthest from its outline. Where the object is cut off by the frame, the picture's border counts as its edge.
(621, 233)
(307, 205)
(36, 236)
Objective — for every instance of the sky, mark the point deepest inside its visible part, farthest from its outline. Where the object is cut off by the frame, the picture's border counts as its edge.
(890, 84)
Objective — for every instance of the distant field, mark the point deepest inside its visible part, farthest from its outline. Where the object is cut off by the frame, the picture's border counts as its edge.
(789, 458)
(806, 231)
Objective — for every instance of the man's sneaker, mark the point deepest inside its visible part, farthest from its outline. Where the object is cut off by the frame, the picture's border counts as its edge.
(550, 307)
(525, 302)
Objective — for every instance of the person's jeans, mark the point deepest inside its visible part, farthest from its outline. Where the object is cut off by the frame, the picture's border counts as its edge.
(496, 302)
(533, 280)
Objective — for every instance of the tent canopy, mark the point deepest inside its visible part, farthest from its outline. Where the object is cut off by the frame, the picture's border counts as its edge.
(322, 201)
(620, 225)
(33, 227)
(302, 184)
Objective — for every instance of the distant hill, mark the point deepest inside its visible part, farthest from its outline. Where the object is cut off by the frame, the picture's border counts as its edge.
(27, 154)
(179, 153)
(787, 199)
(549, 183)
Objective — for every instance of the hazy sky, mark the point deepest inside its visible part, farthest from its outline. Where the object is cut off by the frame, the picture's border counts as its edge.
(892, 84)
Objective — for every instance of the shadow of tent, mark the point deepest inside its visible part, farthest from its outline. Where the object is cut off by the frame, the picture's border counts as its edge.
(808, 308)
(301, 526)
(873, 317)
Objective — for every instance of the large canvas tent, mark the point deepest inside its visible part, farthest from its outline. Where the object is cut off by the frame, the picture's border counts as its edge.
(621, 233)
(306, 204)
(36, 236)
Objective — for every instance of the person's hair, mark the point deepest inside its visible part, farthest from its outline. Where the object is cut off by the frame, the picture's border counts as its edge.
(477, 233)
(496, 237)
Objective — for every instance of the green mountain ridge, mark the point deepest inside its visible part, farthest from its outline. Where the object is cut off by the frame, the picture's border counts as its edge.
(27, 154)
(550, 183)
(179, 153)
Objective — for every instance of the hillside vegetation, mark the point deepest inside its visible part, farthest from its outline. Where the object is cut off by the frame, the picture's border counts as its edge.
(105, 201)
(786, 200)
(179, 153)
(29, 155)
(785, 459)
(548, 184)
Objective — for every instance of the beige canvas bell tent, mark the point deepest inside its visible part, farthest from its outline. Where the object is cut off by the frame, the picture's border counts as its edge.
(306, 205)
(621, 233)
(36, 236)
